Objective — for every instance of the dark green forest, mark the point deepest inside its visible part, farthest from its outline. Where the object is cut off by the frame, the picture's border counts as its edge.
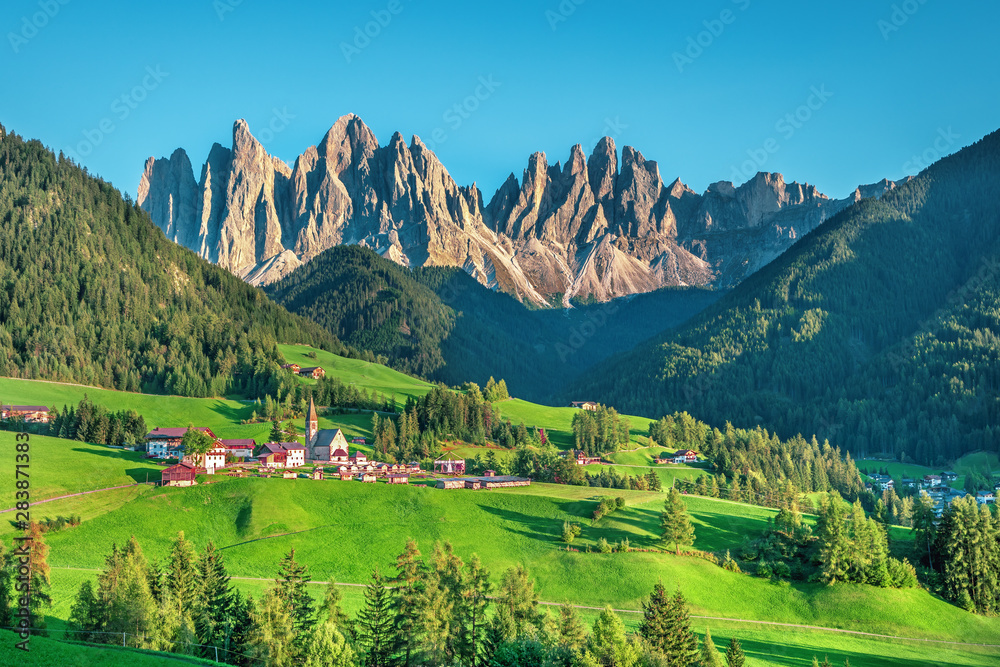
(877, 331)
(440, 324)
(91, 291)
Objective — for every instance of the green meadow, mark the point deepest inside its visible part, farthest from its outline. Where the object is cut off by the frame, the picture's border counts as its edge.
(256, 521)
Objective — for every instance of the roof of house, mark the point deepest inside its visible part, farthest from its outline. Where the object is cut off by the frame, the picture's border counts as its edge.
(685, 452)
(176, 432)
(309, 369)
(239, 443)
(291, 446)
(181, 467)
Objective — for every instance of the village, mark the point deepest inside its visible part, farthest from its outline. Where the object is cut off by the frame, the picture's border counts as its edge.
(326, 454)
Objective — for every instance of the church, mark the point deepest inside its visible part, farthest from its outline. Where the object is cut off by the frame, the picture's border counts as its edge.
(324, 445)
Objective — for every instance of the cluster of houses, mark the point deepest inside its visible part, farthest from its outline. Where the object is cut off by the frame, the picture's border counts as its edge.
(33, 414)
(314, 372)
(936, 486)
(489, 480)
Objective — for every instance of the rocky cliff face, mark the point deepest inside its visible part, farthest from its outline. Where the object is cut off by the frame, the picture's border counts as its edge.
(589, 228)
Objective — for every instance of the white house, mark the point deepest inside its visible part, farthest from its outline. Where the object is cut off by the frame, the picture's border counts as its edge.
(985, 497)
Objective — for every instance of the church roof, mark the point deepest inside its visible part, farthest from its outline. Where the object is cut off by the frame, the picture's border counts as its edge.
(312, 411)
(326, 437)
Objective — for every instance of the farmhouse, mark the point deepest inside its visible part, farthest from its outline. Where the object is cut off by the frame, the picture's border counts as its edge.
(949, 476)
(314, 372)
(930, 481)
(166, 442)
(182, 474)
(582, 458)
(685, 456)
(215, 458)
(282, 455)
(585, 405)
(294, 368)
(985, 497)
(38, 414)
(447, 467)
(358, 441)
(883, 482)
(242, 448)
(397, 479)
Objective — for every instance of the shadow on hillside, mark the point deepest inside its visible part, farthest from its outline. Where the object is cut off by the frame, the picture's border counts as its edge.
(533, 527)
(233, 414)
(143, 475)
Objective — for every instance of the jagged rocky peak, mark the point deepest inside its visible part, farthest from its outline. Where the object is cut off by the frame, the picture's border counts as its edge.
(592, 226)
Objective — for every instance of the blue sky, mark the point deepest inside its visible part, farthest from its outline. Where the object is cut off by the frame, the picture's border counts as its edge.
(835, 94)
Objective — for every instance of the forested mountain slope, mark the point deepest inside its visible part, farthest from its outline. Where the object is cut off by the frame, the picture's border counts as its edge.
(91, 291)
(441, 324)
(879, 330)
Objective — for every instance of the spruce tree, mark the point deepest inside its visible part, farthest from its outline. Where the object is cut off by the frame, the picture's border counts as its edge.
(181, 579)
(734, 654)
(655, 627)
(292, 588)
(407, 600)
(675, 524)
(475, 603)
(572, 633)
(709, 654)
(375, 624)
(216, 598)
(681, 646)
(331, 611)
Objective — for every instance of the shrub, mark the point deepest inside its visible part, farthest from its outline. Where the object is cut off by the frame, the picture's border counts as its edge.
(619, 503)
(902, 574)
(570, 531)
(729, 564)
(764, 570)
(603, 546)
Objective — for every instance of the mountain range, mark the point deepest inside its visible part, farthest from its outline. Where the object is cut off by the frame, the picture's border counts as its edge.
(591, 229)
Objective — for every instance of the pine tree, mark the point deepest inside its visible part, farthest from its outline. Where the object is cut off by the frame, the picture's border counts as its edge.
(609, 643)
(331, 611)
(407, 601)
(709, 654)
(272, 639)
(182, 576)
(681, 646)
(375, 624)
(475, 603)
(292, 588)
(326, 646)
(518, 596)
(655, 626)
(571, 631)
(675, 524)
(216, 598)
(734, 654)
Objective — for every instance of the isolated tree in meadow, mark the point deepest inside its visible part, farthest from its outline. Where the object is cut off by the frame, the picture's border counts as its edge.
(734, 654)
(675, 524)
(375, 624)
(709, 654)
(291, 586)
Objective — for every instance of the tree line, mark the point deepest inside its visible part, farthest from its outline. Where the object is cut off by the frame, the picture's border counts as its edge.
(96, 424)
(432, 610)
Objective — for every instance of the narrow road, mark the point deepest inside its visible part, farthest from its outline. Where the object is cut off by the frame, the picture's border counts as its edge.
(73, 495)
(816, 628)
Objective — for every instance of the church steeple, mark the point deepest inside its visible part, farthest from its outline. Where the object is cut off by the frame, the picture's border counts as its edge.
(312, 426)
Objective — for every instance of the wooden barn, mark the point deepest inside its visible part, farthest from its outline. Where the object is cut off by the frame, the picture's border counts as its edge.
(317, 473)
(182, 474)
(473, 484)
(455, 483)
(397, 479)
(289, 474)
(367, 477)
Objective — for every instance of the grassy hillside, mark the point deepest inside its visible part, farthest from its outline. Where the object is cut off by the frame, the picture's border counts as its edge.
(880, 330)
(51, 653)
